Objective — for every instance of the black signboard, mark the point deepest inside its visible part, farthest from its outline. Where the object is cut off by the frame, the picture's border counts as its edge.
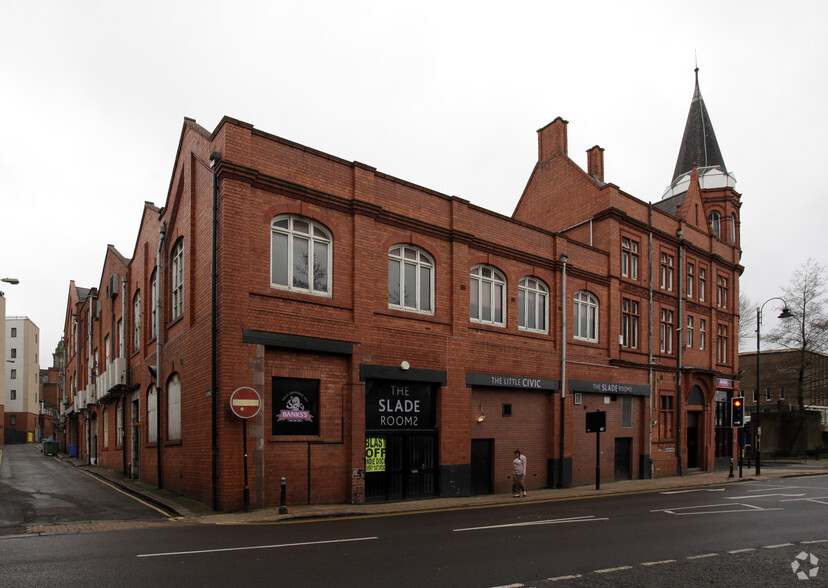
(596, 422)
(295, 406)
(399, 405)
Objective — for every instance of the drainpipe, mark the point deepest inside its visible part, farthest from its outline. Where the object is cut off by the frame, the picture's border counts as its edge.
(564, 260)
(651, 377)
(126, 371)
(679, 388)
(215, 159)
(162, 230)
(90, 370)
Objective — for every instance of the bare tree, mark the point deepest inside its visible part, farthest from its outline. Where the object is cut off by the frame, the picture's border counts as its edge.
(807, 330)
(747, 319)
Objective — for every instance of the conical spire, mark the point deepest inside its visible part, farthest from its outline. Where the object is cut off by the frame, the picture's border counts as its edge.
(698, 145)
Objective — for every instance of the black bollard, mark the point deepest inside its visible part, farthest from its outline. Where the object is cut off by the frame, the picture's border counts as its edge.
(731, 468)
(283, 509)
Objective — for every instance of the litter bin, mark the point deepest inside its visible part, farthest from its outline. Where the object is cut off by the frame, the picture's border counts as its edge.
(50, 447)
(73, 451)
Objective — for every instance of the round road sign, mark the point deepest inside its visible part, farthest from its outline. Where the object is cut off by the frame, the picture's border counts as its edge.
(245, 402)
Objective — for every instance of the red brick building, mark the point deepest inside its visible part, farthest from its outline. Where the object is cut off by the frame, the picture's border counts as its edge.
(404, 342)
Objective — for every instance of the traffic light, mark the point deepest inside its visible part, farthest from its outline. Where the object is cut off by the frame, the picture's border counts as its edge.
(737, 412)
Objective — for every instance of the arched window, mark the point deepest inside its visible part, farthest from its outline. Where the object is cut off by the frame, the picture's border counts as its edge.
(586, 316)
(154, 303)
(152, 415)
(300, 255)
(533, 302)
(732, 228)
(136, 321)
(174, 408)
(487, 288)
(178, 279)
(715, 220)
(410, 279)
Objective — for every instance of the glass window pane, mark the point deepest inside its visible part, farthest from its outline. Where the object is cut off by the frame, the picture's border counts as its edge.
(300, 263)
(474, 295)
(522, 308)
(498, 302)
(486, 302)
(542, 312)
(393, 282)
(425, 288)
(300, 227)
(531, 307)
(320, 267)
(278, 259)
(410, 253)
(410, 285)
(282, 223)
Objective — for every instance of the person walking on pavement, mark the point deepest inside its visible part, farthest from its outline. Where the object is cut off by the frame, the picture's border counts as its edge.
(519, 473)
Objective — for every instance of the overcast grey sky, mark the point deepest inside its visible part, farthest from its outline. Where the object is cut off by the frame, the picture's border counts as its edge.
(447, 95)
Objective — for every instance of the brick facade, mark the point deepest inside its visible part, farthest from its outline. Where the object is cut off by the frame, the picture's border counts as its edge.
(350, 346)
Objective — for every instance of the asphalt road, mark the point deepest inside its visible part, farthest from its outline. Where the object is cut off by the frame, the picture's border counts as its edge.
(39, 490)
(746, 534)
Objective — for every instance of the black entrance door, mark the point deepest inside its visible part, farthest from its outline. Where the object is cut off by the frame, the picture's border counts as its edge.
(693, 439)
(410, 468)
(623, 458)
(481, 466)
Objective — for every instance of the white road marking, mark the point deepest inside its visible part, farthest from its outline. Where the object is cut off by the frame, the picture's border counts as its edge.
(694, 490)
(702, 556)
(778, 546)
(200, 551)
(562, 578)
(583, 519)
(610, 570)
(658, 563)
(745, 550)
(815, 541)
(747, 508)
(760, 496)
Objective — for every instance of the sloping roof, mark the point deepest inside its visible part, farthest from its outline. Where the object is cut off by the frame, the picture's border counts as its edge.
(698, 145)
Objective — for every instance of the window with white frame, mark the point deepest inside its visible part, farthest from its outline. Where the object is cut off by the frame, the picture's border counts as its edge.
(487, 292)
(629, 258)
(691, 278)
(174, 407)
(104, 418)
(666, 271)
(154, 303)
(585, 323)
(119, 424)
(721, 291)
(702, 333)
(300, 255)
(732, 228)
(152, 414)
(533, 302)
(667, 325)
(178, 279)
(136, 321)
(702, 284)
(715, 220)
(410, 279)
(629, 323)
(721, 343)
(689, 332)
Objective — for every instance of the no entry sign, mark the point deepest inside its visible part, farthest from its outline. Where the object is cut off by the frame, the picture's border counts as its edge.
(245, 402)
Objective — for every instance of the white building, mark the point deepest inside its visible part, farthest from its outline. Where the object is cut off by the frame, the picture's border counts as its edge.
(22, 379)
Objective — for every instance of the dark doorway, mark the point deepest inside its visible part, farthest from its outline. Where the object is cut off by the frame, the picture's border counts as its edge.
(623, 458)
(692, 439)
(409, 469)
(482, 451)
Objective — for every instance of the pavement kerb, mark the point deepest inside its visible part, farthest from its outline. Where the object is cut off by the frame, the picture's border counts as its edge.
(174, 504)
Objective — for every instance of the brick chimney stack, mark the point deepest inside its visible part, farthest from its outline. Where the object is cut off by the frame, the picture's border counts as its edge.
(595, 163)
(552, 139)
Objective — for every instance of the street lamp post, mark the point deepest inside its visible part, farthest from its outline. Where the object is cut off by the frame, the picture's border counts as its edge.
(757, 432)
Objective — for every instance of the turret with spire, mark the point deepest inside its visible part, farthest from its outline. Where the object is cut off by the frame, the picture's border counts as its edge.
(700, 148)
